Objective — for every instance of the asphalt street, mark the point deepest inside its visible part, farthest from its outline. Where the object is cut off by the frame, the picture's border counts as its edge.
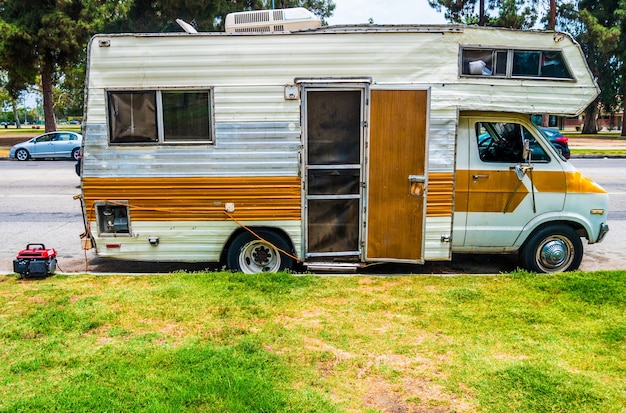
(36, 200)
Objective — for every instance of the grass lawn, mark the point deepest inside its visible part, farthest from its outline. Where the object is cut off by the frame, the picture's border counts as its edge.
(598, 152)
(224, 342)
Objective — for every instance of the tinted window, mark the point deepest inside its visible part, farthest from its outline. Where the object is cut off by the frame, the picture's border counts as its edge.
(513, 63)
(186, 116)
(132, 117)
(160, 116)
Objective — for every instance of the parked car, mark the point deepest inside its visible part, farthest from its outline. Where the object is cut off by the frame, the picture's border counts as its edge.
(59, 144)
(557, 140)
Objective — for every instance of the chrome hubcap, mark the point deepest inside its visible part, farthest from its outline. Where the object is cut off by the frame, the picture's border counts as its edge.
(555, 254)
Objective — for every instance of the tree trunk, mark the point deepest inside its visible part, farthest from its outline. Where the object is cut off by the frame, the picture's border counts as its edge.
(481, 13)
(623, 106)
(591, 113)
(552, 16)
(15, 114)
(48, 101)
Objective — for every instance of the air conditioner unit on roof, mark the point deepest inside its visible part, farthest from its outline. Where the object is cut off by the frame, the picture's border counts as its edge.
(268, 21)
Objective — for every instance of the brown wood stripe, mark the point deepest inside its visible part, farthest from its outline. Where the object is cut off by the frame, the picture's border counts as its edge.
(199, 198)
(439, 200)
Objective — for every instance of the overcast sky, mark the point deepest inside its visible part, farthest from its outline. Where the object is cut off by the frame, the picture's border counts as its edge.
(385, 12)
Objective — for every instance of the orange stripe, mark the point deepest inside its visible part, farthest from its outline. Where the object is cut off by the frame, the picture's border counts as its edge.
(577, 183)
(187, 199)
(440, 191)
(490, 193)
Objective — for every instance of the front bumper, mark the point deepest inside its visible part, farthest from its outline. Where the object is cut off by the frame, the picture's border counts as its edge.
(604, 229)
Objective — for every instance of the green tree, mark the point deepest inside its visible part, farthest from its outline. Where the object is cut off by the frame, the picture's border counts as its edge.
(45, 38)
(605, 28)
(518, 14)
(458, 11)
(43, 42)
(205, 15)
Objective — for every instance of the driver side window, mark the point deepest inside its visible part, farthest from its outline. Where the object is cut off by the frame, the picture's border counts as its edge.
(500, 142)
(503, 142)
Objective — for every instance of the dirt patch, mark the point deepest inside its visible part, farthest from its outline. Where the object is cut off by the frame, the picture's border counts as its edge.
(7, 141)
(598, 142)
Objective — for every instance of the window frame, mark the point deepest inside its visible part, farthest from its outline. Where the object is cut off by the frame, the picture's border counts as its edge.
(510, 63)
(160, 127)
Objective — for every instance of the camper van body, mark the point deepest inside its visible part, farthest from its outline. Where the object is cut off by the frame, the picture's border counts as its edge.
(341, 145)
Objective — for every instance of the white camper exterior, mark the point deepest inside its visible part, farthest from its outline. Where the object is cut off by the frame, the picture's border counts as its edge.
(333, 146)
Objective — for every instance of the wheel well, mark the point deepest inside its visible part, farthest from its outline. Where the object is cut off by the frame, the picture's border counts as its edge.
(235, 233)
(580, 230)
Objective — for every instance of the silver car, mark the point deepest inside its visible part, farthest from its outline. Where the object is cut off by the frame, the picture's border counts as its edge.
(59, 144)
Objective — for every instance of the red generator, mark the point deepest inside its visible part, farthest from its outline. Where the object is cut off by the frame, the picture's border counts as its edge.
(35, 261)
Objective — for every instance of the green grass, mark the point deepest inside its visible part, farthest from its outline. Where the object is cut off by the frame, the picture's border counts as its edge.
(33, 130)
(599, 152)
(223, 342)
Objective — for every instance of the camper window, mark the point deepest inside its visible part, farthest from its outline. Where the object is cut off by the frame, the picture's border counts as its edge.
(160, 116)
(132, 117)
(513, 63)
(186, 116)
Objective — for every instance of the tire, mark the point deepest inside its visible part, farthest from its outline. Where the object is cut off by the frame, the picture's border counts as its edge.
(75, 153)
(251, 255)
(552, 249)
(22, 155)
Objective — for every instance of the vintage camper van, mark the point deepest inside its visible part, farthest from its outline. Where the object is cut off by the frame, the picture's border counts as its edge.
(334, 146)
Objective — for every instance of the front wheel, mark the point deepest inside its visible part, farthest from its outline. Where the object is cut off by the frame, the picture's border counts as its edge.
(252, 255)
(552, 249)
(22, 155)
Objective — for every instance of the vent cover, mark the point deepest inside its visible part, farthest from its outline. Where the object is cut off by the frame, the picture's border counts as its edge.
(268, 21)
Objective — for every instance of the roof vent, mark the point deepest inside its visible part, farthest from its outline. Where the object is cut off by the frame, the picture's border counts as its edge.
(268, 21)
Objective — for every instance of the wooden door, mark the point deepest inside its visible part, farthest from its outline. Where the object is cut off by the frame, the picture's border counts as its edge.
(397, 175)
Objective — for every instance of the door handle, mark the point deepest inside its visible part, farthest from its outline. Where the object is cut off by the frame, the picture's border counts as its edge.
(417, 179)
(416, 185)
(478, 176)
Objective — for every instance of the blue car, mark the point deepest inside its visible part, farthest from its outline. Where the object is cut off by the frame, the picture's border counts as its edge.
(49, 145)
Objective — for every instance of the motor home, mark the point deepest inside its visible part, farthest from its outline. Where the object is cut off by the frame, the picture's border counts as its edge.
(334, 146)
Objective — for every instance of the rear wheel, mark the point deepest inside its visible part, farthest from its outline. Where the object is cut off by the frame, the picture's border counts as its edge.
(252, 255)
(552, 249)
(22, 155)
(76, 154)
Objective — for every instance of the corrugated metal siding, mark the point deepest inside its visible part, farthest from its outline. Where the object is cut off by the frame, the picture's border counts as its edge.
(441, 141)
(274, 60)
(434, 247)
(246, 149)
(184, 240)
